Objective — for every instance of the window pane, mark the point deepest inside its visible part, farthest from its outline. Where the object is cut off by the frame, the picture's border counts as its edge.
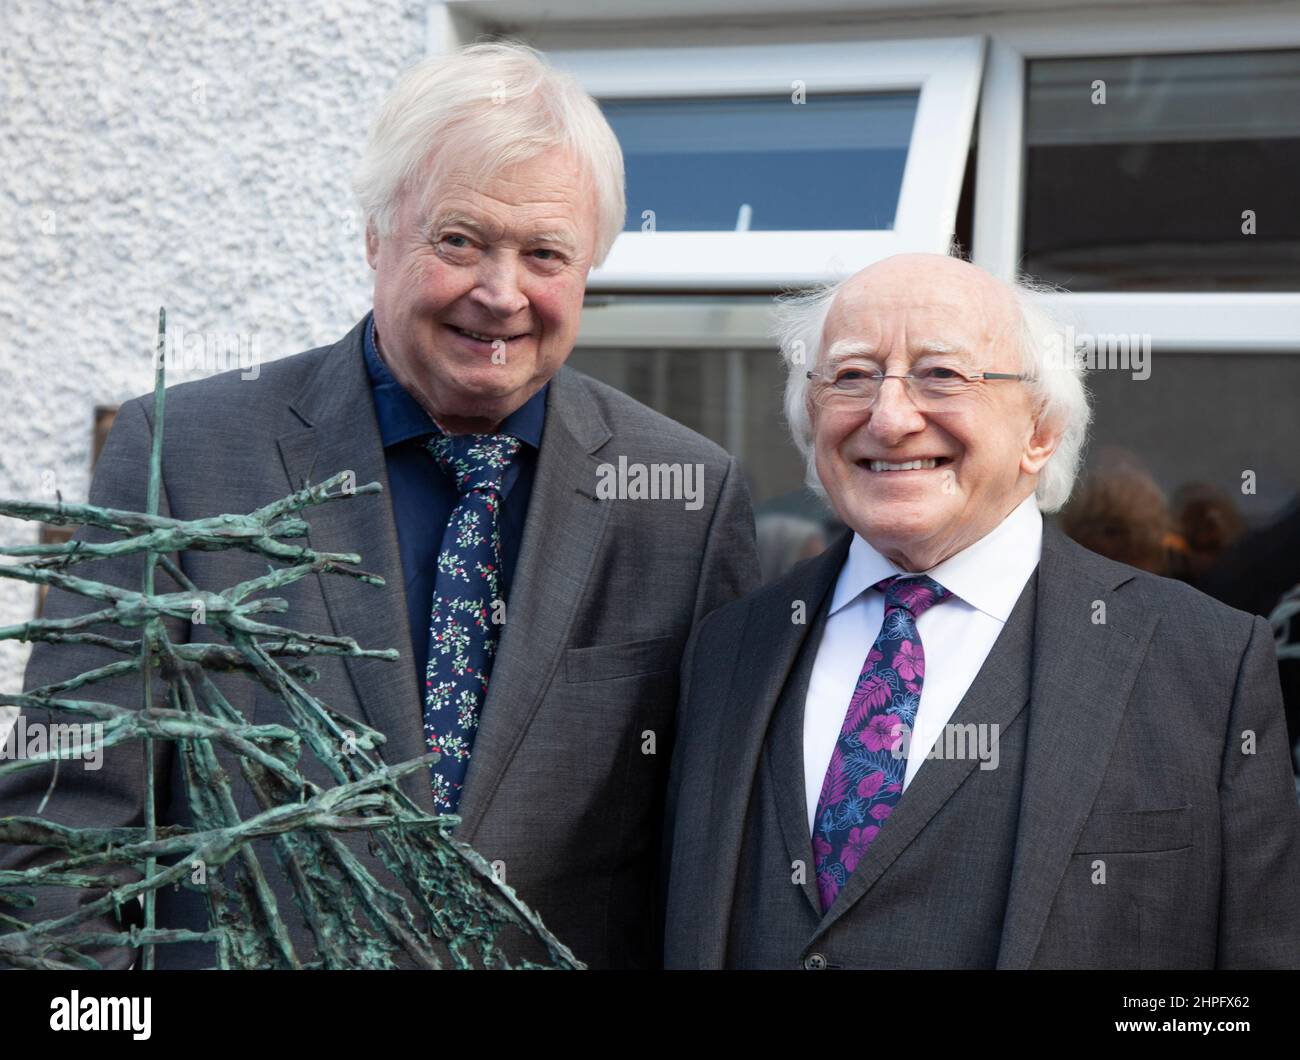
(1194, 473)
(1218, 437)
(1209, 416)
(832, 162)
(732, 397)
(1146, 191)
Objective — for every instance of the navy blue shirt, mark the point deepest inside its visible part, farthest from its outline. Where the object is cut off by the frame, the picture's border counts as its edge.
(423, 496)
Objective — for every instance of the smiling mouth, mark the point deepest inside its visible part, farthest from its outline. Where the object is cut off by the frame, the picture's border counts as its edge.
(479, 336)
(922, 464)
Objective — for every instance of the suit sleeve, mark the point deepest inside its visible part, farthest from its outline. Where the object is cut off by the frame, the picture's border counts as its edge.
(729, 568)
(674, 785)
(1259, 912)
(113, 794)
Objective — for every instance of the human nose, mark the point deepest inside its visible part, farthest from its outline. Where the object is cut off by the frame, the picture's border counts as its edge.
(497, 288)
(894, 411)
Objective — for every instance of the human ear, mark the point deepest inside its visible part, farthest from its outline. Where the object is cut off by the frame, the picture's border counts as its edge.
(1040, 445)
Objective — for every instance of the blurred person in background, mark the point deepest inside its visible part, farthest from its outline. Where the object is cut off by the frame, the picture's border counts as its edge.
(1119, 512)
(784, 540)
(1210, 524)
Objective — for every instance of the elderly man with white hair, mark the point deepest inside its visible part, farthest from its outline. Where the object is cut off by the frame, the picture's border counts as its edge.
(957, 738)
(539, 619)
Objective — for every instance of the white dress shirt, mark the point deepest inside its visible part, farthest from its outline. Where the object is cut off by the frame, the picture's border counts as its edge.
(957, 634)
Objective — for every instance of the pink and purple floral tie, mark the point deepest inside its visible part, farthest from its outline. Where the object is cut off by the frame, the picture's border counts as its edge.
(465, 612)
(865, 777)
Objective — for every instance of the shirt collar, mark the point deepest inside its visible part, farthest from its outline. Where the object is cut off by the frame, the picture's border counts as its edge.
(401, 417)
(988, 575)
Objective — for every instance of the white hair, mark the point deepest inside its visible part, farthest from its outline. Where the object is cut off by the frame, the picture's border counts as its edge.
(486, 107)
(1055, 379)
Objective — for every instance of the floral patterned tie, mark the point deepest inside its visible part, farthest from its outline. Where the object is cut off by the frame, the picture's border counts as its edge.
(466, 605)
(865, 778)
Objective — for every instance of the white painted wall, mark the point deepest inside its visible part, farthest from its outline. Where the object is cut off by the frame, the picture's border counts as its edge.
(195, 155)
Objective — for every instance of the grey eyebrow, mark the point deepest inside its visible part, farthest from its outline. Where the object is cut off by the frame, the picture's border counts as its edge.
(846, 348)
(940, 347)
(452, 220)
(560, 239)
(460, 220)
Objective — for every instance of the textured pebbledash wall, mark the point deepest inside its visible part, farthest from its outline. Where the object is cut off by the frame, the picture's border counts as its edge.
(193, 155)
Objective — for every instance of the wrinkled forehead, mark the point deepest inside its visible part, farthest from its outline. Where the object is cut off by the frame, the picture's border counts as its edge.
(551, 186)
(892, 321)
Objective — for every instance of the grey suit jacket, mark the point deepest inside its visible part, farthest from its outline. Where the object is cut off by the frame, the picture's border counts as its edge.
(1130, 737)
(560, 790)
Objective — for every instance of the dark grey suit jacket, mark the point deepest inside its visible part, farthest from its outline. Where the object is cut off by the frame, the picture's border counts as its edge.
(605, 595)
(1127, 746)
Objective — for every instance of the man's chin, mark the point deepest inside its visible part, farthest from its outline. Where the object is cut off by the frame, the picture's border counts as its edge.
(889, 526)
(488, 400)
(472, 380)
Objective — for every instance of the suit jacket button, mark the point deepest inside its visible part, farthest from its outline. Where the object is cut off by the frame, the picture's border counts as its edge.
(814, 962)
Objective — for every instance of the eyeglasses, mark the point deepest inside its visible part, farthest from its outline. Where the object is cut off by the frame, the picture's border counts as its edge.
(855, 386)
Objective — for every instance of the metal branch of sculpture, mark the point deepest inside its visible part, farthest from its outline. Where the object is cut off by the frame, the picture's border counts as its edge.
(450, 891)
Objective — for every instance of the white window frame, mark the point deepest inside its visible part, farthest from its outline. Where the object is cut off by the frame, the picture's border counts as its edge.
(1194, 321)
(946, 71)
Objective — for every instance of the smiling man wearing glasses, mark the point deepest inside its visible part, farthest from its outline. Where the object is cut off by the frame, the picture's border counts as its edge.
(956, 738)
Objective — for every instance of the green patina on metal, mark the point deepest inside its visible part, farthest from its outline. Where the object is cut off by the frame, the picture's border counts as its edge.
(447, 890)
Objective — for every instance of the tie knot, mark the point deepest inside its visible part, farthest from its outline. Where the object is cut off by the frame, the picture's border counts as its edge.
(913, 594)
(475, 462)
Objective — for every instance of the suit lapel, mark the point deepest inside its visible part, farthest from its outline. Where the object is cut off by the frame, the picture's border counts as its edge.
(560, 548)
(769, 647)
(336, 430)
(996, 696)
(1084, 672)
(785, 764)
